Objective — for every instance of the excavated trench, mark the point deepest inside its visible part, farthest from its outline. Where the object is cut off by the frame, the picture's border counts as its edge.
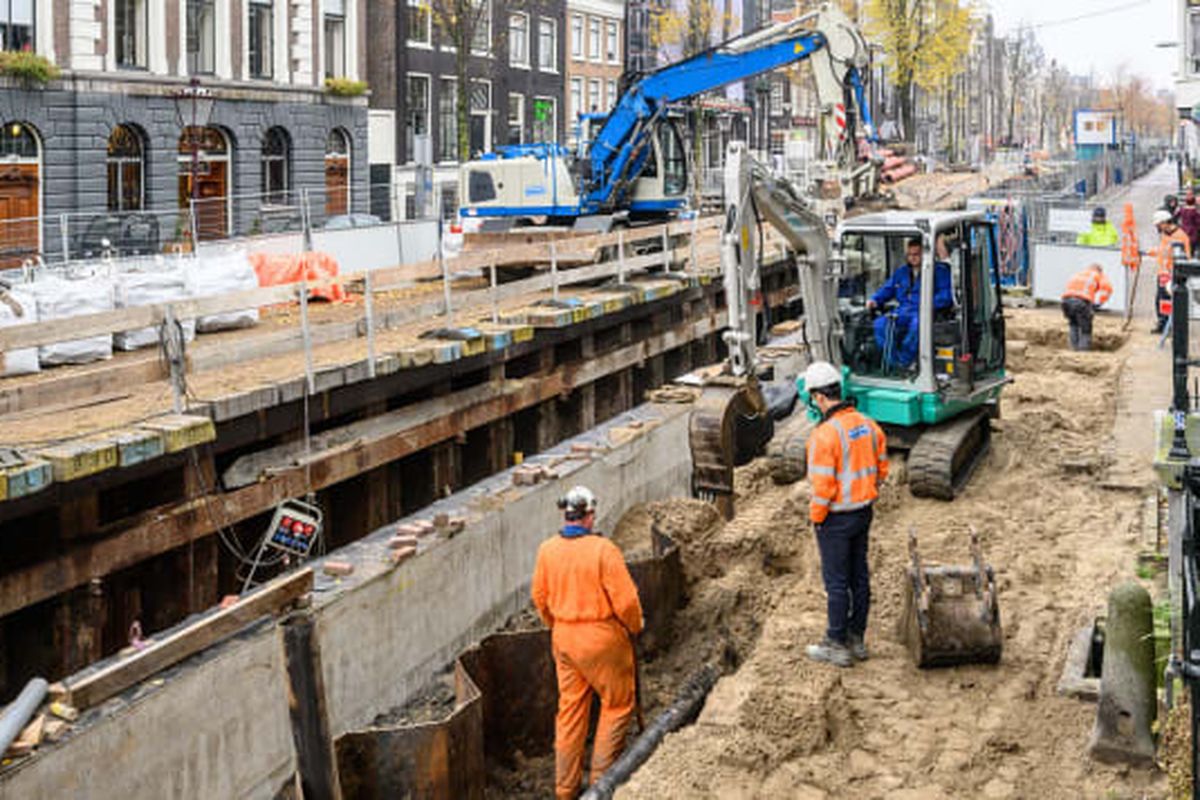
(484, 727)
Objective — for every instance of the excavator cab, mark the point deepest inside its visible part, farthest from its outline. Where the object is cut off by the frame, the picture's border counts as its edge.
(661, 188)
(928, 363)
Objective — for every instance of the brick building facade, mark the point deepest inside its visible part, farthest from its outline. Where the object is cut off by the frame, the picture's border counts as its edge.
(516, 87)
(106, 138)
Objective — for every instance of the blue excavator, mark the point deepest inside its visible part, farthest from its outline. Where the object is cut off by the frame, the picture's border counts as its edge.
(635, 167)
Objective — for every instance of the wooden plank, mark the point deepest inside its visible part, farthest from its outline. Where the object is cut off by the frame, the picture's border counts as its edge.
(96, 685)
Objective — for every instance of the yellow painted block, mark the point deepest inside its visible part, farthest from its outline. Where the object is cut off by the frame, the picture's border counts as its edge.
(181, 431)
(73, 460)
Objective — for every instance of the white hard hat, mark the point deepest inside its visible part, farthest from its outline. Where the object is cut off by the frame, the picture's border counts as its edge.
(821, 374)
(1161, 216)
(579, 501)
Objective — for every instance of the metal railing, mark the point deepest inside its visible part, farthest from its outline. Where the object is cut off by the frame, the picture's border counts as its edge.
(83, 236)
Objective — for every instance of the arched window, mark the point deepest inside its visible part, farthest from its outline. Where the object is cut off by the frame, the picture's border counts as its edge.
(276, 172)
(204, 160)
(126, 166)
(20, 193)
(337, 173)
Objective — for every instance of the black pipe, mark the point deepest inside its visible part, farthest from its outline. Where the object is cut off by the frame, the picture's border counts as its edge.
(682, 711)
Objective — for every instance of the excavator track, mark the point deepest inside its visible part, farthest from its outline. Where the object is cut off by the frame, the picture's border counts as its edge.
(942, 460)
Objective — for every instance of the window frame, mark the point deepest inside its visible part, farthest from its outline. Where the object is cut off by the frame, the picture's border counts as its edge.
(284, 159)
(553, 28)
(577, 37)
(611, 89)
(486, 22)
(410, 138)
(341, 53)
(612, 36)
(594, 89)
(575, 92)
(595, 36)
(553, 101)
(485, 114)
(141, 35)
(521, 61)
(30, 44)
(1193, 43)
(267, 59)
(419, 6)
(519, 107)
(452, 128)
(120, 162)
(194, 58)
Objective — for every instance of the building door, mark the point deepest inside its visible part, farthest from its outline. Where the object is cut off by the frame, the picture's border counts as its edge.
(337, 174)
(20, 188)
(205, 181)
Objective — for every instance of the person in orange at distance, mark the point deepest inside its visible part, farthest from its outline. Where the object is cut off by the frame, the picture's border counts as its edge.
(1087, 290)
(586, 596)
(1171, 234)
(847, 460)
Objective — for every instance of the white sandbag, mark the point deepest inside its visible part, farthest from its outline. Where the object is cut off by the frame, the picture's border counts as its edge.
(221, 274)
(24, 361)
(150, 287)
(60, 298)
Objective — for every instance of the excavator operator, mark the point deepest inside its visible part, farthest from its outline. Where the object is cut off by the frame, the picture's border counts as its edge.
(899, 333)
(586, 596)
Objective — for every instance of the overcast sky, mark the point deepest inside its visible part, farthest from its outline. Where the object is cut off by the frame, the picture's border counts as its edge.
(1101, 42)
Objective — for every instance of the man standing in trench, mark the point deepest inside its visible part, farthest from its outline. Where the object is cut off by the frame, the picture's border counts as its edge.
(847, 460)
(586, 596)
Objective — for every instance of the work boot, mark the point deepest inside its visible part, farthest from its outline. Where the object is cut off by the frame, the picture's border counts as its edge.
(830, 652)
(857, 648)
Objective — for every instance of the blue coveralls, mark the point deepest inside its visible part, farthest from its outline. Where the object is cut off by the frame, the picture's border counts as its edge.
(905, 289)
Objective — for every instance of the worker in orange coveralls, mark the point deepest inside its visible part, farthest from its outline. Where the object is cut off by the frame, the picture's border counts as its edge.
(586, 596)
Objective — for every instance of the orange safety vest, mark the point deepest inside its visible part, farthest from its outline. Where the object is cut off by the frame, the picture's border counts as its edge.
(1166, 260)
(584, 579)
(1086, 285)
(847, 458)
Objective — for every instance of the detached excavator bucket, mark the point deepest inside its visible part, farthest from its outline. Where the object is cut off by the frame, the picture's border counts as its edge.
(951, 614)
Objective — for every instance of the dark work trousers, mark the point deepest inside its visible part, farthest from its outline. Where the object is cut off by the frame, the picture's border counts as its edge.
(1162, 296)
(842, 540)
(1079, 315)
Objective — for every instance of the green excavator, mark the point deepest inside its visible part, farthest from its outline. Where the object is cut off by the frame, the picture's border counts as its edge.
(937, 407)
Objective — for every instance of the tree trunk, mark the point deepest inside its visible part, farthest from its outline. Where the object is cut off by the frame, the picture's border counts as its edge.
(461, 58)
(906, 111)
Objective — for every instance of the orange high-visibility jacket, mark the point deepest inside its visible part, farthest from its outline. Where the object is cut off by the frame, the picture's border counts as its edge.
(1162, 253)
(847, 458)
(584, 579)
(1089, 285)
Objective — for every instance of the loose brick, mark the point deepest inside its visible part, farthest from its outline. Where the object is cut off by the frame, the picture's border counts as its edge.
(403, 554)
(337, 569)
(396, 542)
(229, 600)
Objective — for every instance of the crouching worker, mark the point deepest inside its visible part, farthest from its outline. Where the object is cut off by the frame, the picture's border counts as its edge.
(586, 596)
(847, 461)
(1087, 290)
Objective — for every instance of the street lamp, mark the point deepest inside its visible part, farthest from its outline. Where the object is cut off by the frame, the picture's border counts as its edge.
(193, 108)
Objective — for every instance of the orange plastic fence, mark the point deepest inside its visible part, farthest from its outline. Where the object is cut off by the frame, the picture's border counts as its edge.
(1130, 254)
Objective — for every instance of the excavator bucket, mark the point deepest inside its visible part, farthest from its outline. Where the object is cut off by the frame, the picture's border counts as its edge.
(951, 614)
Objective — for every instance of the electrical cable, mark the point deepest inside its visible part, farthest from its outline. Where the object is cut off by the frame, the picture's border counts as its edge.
(1089, 15)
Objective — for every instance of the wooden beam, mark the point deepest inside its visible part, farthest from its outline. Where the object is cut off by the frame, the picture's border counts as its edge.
(308, 708)
(97, 684)
(172, 526)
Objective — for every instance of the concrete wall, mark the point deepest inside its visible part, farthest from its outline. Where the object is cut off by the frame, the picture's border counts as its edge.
(218, 725)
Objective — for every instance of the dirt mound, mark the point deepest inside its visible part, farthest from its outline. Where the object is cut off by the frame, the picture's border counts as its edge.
(1047, 327)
